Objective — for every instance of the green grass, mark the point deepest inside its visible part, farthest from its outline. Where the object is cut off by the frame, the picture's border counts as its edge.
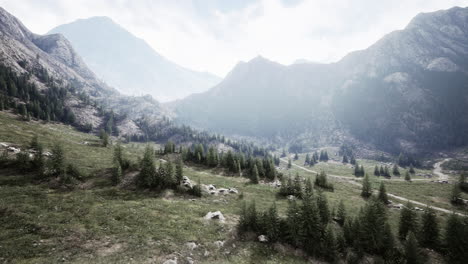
(99, 223)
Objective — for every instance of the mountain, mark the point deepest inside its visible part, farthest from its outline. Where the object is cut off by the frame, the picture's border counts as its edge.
(129, 63)
(49, 63)
(407, 92)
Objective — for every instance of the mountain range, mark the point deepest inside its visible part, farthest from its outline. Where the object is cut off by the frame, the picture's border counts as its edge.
(408, 92)
(129, 64)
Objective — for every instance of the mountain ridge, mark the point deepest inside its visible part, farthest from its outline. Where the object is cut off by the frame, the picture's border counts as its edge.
(129, 63)
(381, 95)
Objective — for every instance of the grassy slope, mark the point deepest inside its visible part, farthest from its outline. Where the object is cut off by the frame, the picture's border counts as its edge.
(99, 223)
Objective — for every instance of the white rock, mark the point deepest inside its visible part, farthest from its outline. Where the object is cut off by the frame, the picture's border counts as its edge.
(219, 244)
(171, 261)
(262, 238)
(233, 190)
(191, 245)
(215, 216)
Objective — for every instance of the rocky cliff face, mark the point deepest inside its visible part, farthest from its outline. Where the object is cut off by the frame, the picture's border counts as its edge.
(129, 63)
(29, 53)
(407, 92)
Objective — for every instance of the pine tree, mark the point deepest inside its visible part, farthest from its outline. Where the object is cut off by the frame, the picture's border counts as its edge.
(429, 235)
(34, 142)
(395, 170)
(353, 160)
(254, 176)
(289, 163)
(382, 171)
(407, 176)
(309, 188)
(147, 175)
(116, 172)
(456, 243)
(293, 224)
(408, 221)
(179, 174)
(296, 156)
(307, 159)
(383, 194)
(329, 246)
(376, 171)
(456, 195)
(322, 205)
(312, 227)
(105, 140)
(411, 170)
(366, 187)
(38, 162)
(57, 160)
(272, 224)
(341, 215)
(412, 252)
(345, 159)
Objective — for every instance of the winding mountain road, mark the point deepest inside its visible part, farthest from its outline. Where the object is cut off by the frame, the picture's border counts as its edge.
(401, 198)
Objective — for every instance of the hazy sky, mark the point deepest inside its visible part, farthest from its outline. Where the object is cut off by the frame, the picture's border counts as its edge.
(213, 35)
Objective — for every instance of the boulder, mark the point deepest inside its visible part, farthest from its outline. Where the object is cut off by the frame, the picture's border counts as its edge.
(191, 245)
(233, 190)
(211, 187)
(222, 190)
(263, 238)
(171, 261)
(14, 150)
(219, 244)
(215, 216)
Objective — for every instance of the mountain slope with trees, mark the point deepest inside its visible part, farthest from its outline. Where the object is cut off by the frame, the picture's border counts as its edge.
(407, 92)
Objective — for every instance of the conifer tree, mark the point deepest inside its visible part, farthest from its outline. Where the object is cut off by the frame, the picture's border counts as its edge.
(322, 205)
(341, 214)
(272, 224)
(307, 159)
(105, 140)
(311, 227)
(293, 223)
(411, 169)
(456, 243)
(345, 159)
(456, 195)
(412, 252)
(57, 160)
(395, 170)
(296, 156)
(383, 193)
(309, 188)
(254, 176)
(329, 247)
(376, 171)
(353, 160)
(289, 163)
(429, 235)
(382, 171)
(407, 176)
(366, 187)
(116, 172)
(408, 221)
(147, 175)
(179, 174)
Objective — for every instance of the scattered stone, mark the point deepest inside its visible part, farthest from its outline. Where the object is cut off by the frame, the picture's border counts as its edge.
(14, 150)
(396, 206)
(206, 253)
(218, 244)
(211, 187)
(233, 190)
(291, 197)
(215, 216)
(4, 145)
(222, 190)
(171, 261)
(190, 260)
(213, 192)
(263, 238)
(418, 209)
(47, 154)
(191, 245)
(193, 200)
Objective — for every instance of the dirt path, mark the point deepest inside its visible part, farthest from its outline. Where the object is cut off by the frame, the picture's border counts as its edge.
(352, 181)
(438, 170)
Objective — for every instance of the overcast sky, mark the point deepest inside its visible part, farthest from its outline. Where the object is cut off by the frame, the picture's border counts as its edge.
(213, 35)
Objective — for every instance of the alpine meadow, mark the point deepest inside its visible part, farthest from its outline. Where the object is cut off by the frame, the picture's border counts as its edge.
(253, 131)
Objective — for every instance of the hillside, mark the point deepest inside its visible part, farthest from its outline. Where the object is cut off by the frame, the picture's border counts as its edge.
(405, 93)
(96, 221)
(129, 63)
